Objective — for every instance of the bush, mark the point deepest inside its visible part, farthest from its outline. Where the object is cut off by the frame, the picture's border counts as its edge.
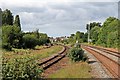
(76, 54)
(29, 41)
(6, 46)
(20, 68)
(10, 34)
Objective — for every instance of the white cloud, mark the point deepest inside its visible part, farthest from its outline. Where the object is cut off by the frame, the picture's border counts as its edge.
(60, 17)
(40, 3)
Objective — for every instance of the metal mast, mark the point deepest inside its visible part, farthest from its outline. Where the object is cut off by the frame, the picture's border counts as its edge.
(88, 33)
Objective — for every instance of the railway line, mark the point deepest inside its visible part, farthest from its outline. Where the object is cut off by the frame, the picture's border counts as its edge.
(107, 58)
(47, 62)
(114, 53)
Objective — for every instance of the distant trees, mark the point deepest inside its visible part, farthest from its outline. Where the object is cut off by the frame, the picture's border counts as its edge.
(7, 17)
(107, 34)
(71, 39)
(78, 36)
(13, 37)
(85, 37)
(31, 39)
(93, 24)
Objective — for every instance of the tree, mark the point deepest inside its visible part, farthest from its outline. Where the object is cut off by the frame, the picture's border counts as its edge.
(94, 34)
(71, 39)
(43, 39)
(72, 35)
(108, 21)
(7, 17)
(29, 41)
(112, 40)
(17, 21)
(37, 33)
(85, 37)
(79, 36)
(108, 36)
(93, 24)
(13, 37)
(9, 35)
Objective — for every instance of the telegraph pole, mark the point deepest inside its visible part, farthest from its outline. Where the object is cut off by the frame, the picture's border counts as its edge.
(0, 17)
(88, 34)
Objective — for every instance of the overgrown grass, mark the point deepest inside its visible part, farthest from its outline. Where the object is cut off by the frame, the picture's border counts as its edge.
(74, 70)
(36, 54)
(24, 66)
(39, 54)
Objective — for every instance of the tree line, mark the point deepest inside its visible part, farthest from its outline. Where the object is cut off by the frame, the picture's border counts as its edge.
(79, 37)
(14, 37)
(106, 34)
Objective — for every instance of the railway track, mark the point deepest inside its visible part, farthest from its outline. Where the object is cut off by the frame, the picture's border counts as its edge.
(46, 63)
(114, 53)
(111, 65)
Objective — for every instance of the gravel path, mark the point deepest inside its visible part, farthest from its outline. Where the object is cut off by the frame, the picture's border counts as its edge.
(98, 70)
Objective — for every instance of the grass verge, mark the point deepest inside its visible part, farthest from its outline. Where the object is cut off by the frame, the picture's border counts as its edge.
(34, 54)
(74, 70)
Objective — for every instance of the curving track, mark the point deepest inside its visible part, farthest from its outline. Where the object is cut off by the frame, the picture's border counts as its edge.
(111, 64)
(46, 63)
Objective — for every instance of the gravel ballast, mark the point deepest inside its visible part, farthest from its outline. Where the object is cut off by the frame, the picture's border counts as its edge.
(97, 69)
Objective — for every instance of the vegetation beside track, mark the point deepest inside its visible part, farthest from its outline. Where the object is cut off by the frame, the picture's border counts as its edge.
(76, 64)
(24, 66)
(36, 54)
(74, 70)
(20, 59)
(77, 54)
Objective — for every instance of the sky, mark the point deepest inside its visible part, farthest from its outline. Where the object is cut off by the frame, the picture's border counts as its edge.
(60, 17)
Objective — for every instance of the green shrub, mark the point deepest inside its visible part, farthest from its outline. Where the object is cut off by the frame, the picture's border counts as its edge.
(20, 68)
(76, 54)
(30, 41)
(6, 46)
(10, 37)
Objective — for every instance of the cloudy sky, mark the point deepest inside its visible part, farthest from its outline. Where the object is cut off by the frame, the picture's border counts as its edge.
(60, 17)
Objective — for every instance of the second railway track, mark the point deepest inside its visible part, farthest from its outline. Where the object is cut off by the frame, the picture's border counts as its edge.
(46, 63)
(111, 65)
(114, 53)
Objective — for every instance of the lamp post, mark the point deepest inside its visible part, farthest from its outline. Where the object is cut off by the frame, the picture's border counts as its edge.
(88, 34)
(0, 17)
